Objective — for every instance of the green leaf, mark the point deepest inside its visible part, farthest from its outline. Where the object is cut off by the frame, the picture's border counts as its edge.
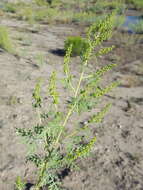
(37, 94)
(53, 89)
(97, 118)
(20, 185)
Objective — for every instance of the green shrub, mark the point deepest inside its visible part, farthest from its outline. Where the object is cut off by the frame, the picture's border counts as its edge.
(48, 14)
(20, 184)
(119, 20)
(79, 45)
(5, 41)
(104, 6)
(34, 14)
(85, 17)
(41, 2)
(41, 14)
(65, 16)
(10, 7)
(27, 13)
(138, 4)
(44, 2)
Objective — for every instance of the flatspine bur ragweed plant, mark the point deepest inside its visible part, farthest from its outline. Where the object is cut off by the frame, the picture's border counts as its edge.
(60, 146)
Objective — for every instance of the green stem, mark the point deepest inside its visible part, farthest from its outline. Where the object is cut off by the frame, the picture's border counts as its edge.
(42, 173)
(79, 83)
(43, 169)
(72, 108)
(72, 87)
(65, 122)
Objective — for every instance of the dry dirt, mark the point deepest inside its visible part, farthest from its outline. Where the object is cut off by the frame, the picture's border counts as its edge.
(117, 162)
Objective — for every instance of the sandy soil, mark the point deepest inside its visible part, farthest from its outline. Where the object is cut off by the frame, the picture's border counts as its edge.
(117, 162)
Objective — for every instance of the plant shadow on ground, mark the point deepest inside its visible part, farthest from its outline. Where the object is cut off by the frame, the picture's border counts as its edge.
(65, 172)
(61, 175)
(28, 186)
(58, 51)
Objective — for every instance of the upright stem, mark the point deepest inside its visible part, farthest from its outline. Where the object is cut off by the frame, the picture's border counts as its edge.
(42, 173)
(72, 108)
(79, 83)
(43, 169)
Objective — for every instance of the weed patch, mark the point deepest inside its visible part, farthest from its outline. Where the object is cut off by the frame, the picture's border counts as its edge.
(137, 27)
(138, 4)
(10, 7)
(40, 59)
(5, 41)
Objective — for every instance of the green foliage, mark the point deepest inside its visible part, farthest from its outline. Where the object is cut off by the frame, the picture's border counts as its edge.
(138, 4)
(45, 14)
(86, 17)
(100, 92)
(129, 40)
(97, 118)
(41, 2)
(27, 13)
(20, 185)
(34, 14)
(81, 151)
(37, 95)
(137, 27)
(93, 12)
(41, 15)
(104, 51)
(59, 11)
(119, 20)
(79, 45)
(5, 41)
(44, 2)
(34, 11)
(60, 147)
(10, 7)
(103, 6)
(52, 88)
(40, 59)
